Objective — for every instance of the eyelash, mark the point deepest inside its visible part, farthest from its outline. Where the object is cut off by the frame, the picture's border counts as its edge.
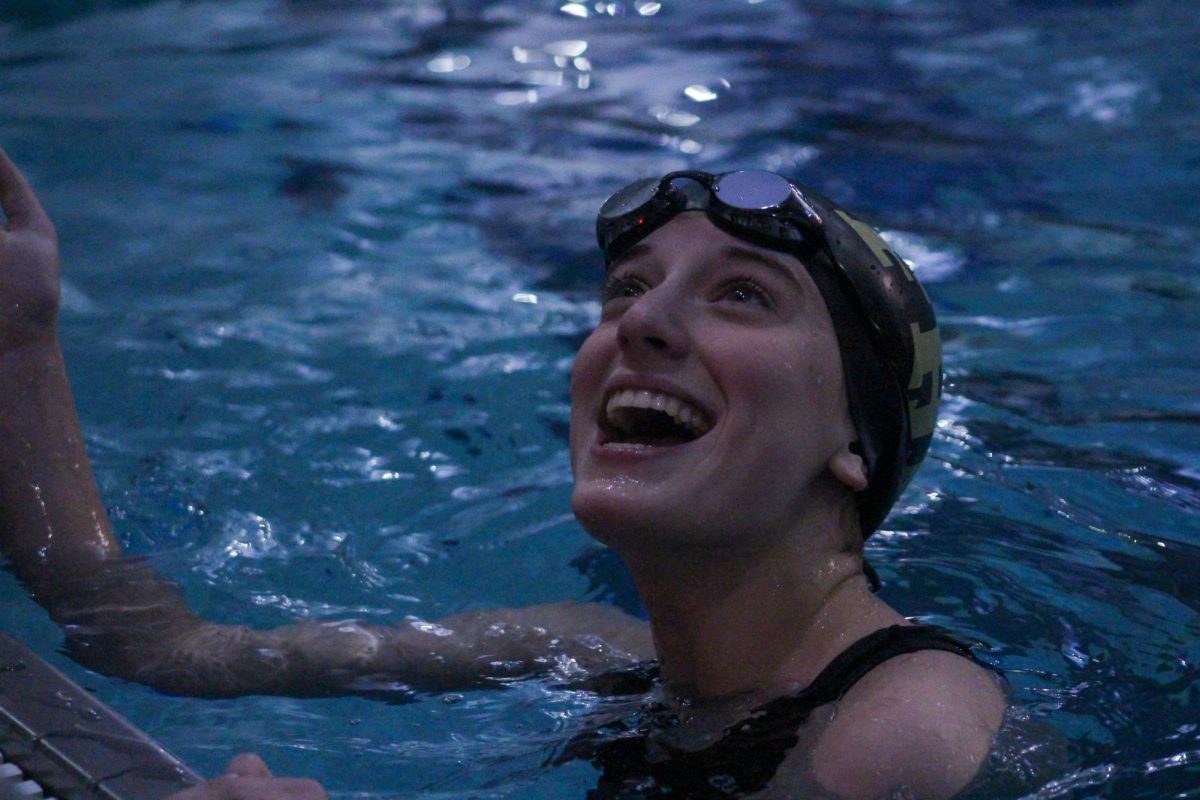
(746, 282)
(614, 284)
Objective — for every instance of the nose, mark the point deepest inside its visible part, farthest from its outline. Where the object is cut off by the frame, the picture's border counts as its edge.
(652, 326)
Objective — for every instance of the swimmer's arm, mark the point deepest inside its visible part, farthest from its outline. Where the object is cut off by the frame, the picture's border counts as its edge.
(918, 727)
(122, 618)
(153, 637)
(54, 530)
(470, 650)
(51, 516)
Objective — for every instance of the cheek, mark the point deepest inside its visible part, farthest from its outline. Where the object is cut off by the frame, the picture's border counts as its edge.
(587, 371)
(587, 378)
(792, 382)
(779, 369)
(826, 376)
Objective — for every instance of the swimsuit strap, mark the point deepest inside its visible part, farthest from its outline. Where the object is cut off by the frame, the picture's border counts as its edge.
(852, 664)
(746, 758)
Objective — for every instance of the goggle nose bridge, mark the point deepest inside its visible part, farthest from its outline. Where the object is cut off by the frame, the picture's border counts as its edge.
(752, 191)
(754, 204)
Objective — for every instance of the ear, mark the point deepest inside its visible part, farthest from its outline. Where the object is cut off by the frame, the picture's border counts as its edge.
(847, 466)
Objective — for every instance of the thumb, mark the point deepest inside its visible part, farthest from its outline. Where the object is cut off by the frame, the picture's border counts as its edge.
(17, 200)
(247, 765)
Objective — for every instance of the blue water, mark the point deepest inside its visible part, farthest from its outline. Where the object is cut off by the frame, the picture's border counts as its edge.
(327, 263)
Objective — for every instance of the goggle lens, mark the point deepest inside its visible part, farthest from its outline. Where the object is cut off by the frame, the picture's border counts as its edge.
(631, 198)
(753, 189)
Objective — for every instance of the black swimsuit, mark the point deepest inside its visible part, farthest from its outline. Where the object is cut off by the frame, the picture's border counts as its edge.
(636, 764)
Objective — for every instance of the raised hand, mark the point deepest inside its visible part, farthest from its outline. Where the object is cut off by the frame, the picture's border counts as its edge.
(29, 282)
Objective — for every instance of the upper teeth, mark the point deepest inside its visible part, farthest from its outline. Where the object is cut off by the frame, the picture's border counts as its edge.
(681, 411)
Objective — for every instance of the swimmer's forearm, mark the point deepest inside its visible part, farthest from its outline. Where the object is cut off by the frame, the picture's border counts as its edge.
(466, 651)
(172, 650)
(470, 650)
(52, 520)
(486, 648)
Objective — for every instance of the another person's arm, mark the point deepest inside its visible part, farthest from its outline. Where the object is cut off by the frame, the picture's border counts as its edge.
(121, 618)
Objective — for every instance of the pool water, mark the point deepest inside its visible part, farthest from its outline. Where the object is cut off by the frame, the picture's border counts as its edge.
(327, 263)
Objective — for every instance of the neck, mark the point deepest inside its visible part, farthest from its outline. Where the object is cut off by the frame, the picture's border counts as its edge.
(762, 620)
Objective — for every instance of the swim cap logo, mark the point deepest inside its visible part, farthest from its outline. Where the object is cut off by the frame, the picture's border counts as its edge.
(924, 384)
(883, 253)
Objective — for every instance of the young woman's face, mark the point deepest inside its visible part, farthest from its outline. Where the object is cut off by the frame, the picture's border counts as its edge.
(709, 401)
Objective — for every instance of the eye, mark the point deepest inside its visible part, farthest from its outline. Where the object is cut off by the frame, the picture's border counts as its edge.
(745, 291)
(618, 287)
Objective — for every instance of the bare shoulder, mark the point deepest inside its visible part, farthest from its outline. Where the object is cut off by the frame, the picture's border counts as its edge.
(920, 724)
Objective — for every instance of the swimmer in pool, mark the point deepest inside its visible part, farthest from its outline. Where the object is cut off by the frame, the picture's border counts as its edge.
(761, 386)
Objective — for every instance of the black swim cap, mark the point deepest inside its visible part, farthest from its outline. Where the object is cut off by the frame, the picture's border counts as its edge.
(887, 333)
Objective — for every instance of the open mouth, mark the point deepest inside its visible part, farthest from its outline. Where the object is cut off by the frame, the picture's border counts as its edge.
(653, 419)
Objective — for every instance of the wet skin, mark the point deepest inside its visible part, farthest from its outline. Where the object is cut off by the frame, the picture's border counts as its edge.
(741, 333)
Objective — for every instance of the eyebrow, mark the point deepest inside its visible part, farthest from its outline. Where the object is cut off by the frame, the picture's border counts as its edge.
(728, 251)
(638, 250)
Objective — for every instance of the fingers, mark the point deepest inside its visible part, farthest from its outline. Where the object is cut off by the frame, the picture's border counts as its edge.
(248, 765)
(247, 778)
(228, 787)
(19, 203)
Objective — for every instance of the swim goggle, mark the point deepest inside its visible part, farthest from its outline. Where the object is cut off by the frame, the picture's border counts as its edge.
(757, 205)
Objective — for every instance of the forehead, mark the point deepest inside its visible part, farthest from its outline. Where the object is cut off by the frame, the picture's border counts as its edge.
(692, 238)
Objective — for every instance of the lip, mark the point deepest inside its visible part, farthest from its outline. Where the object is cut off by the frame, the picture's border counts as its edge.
(648, 383)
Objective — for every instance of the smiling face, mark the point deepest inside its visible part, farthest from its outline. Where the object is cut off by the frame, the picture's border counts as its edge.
(708, 406)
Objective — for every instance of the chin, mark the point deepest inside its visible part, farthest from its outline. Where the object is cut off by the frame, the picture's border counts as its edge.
(603, 507)
(617, 510)
(628, 515)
